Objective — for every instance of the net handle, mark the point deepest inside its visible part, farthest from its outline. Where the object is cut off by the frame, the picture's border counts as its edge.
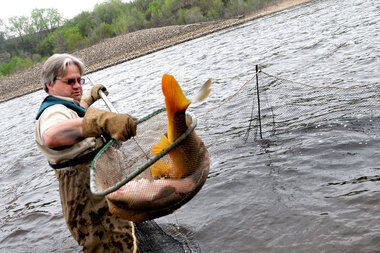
(107, 101)
(103, 96)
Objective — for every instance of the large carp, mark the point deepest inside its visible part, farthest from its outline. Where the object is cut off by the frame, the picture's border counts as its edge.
(178, 180)
(182, 162)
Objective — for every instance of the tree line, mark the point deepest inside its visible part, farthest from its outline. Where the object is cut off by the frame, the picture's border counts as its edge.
(26, 40)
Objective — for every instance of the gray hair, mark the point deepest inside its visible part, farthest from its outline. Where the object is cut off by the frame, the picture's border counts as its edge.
(56, 66)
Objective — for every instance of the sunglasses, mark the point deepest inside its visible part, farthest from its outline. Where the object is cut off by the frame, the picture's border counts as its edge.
(73, 81)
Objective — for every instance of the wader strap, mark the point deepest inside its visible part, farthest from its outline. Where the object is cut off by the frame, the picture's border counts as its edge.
(50, 100)
(78, 160)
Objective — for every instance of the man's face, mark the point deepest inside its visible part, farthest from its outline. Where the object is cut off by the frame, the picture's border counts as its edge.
(62, 88)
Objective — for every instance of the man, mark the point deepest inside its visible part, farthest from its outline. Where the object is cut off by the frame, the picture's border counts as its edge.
(69, 134)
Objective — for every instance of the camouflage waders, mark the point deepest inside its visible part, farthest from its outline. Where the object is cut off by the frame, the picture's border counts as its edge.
(88, 217)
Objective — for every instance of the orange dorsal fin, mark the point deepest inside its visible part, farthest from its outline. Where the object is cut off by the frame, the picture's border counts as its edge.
(161, 145)
(175, 100)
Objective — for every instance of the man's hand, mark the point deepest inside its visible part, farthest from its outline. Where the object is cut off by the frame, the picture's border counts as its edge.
(91, 96)
(119, 126)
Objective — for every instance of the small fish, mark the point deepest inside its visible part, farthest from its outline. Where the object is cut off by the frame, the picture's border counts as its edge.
(182, 162)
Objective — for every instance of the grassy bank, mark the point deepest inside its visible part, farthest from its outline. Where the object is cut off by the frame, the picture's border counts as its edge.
(130, 46)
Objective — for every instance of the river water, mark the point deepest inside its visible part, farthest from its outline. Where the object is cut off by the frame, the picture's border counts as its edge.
(310, 184)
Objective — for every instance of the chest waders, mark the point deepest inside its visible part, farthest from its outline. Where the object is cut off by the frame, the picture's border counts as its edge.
(87, 216)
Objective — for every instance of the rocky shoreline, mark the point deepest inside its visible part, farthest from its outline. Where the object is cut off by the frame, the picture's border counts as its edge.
(130, 46)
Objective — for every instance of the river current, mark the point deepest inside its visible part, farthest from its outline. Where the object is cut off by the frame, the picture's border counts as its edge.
(310, 184)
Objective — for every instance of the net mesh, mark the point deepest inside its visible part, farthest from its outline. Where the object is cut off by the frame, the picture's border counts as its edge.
(276, 108)
(122, 158)
(287, 105)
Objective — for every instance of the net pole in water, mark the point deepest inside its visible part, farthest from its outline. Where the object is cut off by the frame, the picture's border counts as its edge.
(258, 99)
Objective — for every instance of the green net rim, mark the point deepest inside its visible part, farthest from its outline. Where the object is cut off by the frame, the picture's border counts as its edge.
(139, 170)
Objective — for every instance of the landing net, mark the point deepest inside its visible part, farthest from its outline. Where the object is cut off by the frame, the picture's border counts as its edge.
(120, 162)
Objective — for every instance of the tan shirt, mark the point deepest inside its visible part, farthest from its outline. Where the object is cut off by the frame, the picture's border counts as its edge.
(53, 115)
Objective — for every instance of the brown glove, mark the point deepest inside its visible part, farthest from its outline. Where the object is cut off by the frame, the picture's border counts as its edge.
(119, 126)
(91, 96)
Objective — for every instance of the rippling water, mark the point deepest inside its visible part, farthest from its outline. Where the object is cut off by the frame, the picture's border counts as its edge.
(312, 184)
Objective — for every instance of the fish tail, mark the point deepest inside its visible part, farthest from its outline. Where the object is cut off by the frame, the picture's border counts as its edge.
(175, 100)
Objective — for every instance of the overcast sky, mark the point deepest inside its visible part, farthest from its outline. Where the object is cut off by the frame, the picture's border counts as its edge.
(68, 8)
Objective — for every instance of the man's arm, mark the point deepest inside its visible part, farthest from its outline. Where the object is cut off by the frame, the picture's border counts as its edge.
(95, 123)
(64, 133)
